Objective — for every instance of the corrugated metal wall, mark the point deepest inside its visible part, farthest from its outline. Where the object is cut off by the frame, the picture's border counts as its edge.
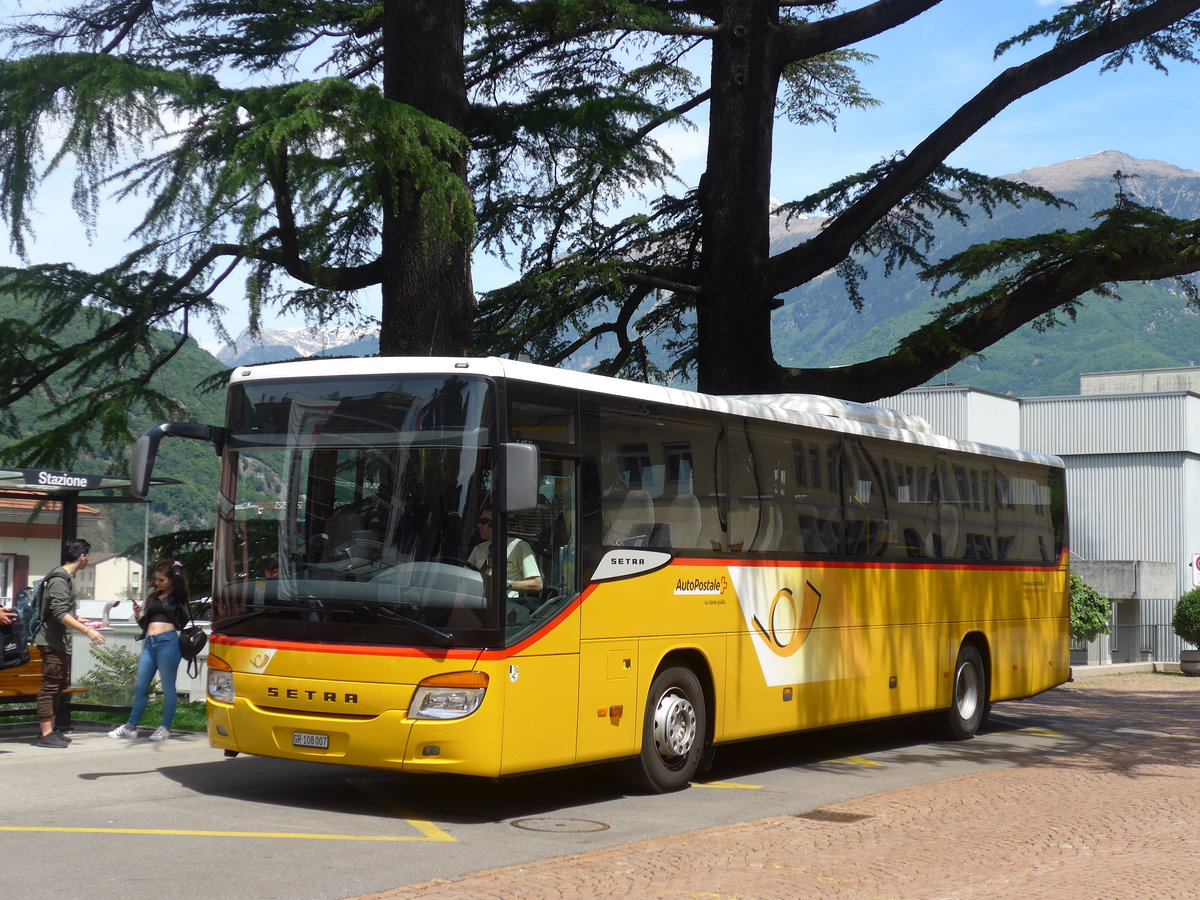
(1120, 511)
(1131, 423)
(962, 413)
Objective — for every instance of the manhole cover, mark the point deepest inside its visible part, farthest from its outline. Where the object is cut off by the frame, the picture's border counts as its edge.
(829, 815)
(573, 826)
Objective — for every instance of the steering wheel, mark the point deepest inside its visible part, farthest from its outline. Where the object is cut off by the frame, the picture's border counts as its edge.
(454, 561)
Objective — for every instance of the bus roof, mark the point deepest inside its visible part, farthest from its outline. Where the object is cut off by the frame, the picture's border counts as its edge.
(802, 409)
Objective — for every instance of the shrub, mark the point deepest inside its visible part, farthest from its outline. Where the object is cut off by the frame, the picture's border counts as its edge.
(112, 674)
(1186, 620)
(1089, 611)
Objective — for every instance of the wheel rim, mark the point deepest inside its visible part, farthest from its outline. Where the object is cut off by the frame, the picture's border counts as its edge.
(674, 725)
(966, 691)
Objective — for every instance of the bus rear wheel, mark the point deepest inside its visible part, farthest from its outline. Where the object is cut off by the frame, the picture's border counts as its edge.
(969, 696)
(673, 731)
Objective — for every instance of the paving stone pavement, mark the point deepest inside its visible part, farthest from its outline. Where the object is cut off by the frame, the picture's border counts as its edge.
(1111, 824)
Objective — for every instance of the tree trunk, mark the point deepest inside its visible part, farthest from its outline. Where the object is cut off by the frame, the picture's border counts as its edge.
(428, 303)
(733, 312)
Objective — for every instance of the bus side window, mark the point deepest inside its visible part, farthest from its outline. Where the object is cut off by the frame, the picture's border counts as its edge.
(1025, 531)
(906, 471)
(658, 484)
(814, 519)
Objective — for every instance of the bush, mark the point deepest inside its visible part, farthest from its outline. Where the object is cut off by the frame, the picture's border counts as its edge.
(1186, 620)
(1090, 611)
(112, 675)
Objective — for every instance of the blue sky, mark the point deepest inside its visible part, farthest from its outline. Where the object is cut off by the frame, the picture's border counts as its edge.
(925, 71)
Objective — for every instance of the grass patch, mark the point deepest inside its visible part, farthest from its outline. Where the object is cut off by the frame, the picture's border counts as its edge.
(188, 716)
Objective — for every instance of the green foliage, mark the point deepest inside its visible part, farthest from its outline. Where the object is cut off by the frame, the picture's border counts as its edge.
(46, 430)
(550, 122)
(1186, 619)
(290, 182)
(1074, 20)
(112, 676)
(1090, 612)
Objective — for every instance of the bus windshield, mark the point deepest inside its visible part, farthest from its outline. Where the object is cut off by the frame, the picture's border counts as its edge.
(347, 508)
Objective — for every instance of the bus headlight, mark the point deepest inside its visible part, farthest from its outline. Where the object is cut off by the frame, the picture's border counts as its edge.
(220, 680)
(450, 696)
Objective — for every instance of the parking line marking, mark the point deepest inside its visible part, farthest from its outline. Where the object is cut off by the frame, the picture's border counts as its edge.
(285, 835)
(431, 831)
(856, 761)
(1040, 732)
(733, 785)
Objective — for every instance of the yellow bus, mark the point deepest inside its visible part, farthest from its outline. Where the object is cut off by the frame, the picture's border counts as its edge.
(488, 567)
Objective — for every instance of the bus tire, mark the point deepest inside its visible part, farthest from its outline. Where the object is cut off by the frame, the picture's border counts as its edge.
(673, 732)
(968, 695)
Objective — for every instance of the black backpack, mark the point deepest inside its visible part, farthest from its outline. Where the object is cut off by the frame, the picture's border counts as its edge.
(31, 606)
(14, 645)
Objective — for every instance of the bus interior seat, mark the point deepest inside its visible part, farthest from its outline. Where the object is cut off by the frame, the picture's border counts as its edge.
(683, 512)
(819, 533)
(633, 522)
(913, 544)
(951, 533)
(770, 531)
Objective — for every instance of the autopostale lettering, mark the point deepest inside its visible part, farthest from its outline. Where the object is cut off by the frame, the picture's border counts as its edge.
(313, 695)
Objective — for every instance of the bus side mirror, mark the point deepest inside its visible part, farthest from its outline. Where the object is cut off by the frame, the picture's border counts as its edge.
(519, 467)
(141, 466)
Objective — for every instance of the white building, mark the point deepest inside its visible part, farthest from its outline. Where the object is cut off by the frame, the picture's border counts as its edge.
(111, 581)
(1131, 444)
(31, 541)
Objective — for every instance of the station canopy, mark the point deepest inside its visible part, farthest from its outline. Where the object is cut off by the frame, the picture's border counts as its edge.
(63, 485)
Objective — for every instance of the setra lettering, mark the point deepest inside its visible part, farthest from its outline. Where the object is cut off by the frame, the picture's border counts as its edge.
(325, 696)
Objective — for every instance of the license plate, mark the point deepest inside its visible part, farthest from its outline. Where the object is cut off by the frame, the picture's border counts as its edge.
(305, 739)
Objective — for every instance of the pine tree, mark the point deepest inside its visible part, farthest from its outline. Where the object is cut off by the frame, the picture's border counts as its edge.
(316, 189)
(698, 264)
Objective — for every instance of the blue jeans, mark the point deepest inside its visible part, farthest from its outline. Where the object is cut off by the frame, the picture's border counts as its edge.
(161, 654)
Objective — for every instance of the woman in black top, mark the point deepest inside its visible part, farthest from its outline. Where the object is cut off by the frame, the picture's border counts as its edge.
(165, 614)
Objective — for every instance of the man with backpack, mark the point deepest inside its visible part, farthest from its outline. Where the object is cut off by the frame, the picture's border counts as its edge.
(58, 615)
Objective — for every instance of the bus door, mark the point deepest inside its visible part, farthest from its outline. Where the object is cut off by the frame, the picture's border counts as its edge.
(542, 691)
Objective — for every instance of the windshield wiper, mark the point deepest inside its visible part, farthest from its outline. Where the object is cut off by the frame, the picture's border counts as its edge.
(445, 639)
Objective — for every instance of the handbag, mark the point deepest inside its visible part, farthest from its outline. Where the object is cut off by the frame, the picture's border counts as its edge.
(192, 640)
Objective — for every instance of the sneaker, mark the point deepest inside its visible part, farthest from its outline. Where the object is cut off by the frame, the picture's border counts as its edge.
(65, 737)
(53, 739)
(161, 733)
(123, 731)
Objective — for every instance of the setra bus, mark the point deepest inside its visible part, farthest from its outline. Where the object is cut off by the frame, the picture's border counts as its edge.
(489, 567)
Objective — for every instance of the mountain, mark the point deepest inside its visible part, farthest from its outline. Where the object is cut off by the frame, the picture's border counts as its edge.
(1149, 326)
(274, 345)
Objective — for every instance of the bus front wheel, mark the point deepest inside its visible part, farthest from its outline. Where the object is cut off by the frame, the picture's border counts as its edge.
(673, 731)
(969, 695)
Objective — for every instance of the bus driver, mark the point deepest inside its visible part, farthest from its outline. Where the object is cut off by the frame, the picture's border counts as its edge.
(524, 576)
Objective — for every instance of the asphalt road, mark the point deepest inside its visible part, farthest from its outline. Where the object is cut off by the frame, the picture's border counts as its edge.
(132, 820)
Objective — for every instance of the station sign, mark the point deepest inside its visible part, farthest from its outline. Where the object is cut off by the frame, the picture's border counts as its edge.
(44, 478)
